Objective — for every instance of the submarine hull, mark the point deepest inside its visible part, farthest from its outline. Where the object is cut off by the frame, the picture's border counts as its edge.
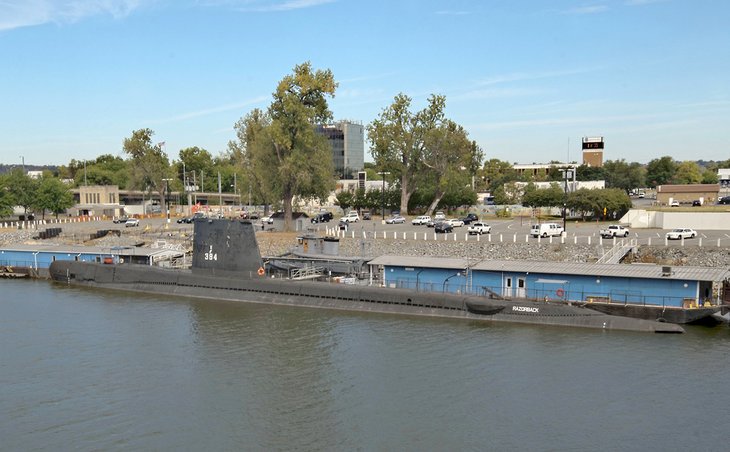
(658, 313)
(253, 289)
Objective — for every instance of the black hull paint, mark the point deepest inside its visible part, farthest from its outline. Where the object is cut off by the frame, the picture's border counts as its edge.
(657, 313)
(340, 296)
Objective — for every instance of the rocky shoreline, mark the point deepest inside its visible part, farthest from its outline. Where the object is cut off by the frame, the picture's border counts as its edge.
(277, 243)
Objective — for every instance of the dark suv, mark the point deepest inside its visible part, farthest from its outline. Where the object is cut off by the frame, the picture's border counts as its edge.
(322, 217)
(724, 200)
(470, 217)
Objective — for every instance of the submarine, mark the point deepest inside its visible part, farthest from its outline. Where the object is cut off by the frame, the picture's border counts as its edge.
(227, 265)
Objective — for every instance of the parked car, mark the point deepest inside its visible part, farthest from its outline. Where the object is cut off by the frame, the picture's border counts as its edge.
(395, 219)
(681, 233)
(430, 223)
(322, 217)
(724, 200)
(366, 215)
(470, 218)
(455, 222)
(122, 219)
(439, 216)
(479, 228)
(696, 203)
(421, 220)
(131, 222)
(674, 203)
(442, 226)
(351, 217)
(267, 219)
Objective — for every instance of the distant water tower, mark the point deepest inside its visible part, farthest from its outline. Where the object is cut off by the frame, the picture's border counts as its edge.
(593, 151)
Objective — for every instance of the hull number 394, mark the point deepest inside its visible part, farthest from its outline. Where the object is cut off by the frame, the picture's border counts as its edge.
(210, 255)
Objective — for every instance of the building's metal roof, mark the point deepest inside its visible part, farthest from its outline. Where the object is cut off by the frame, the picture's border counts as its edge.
(420, 262)
(649, 271)
(81, 249)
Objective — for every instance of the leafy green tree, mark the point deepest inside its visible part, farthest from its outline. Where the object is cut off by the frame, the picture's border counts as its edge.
(6, 198)
(149, 164)
(452, 161)
(287, 156)
(593, 202)
(494, 175)
(623, 175)
(194, 161)
(660, 171)
(54, 196)
(104, 170)
(254, 156)
(398, 140)
(688, 173)
(710, 177)
(586, 173)
(544, 197)
(344, 199)
(23, 189)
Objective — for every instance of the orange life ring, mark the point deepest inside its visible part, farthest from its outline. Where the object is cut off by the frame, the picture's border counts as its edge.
(560, 293)
(261, 271)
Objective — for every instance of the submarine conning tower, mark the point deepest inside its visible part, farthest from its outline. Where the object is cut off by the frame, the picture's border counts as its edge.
(225, 247)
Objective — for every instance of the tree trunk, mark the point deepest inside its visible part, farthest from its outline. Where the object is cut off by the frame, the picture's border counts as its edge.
(434, 203)
(288, 220)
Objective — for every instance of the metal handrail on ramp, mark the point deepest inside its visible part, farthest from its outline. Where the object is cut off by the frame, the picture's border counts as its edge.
(616, 253)
(307, 273)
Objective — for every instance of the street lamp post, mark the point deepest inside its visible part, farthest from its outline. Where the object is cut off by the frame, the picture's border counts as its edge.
(567, 173)
(382, 194)
(443, 288)
(167, 197)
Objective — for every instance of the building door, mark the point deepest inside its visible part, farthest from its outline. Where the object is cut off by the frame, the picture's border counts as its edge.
(521, 288)
(507, 287)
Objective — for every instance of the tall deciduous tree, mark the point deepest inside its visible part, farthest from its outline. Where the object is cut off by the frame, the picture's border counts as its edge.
(660, 171)
(23, 189)
(623, 175)
(451, 159)
(398, 140)
(54, 196)
(688, 173)
(6, 198)
(149, 164)
(286, 155)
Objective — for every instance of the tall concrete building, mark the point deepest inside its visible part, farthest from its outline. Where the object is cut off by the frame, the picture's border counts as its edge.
(347, 139)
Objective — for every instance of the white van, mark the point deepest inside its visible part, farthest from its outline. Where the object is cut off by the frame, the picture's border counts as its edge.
(546, 229)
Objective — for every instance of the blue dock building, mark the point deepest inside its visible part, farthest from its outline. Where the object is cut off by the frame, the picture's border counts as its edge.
(630, 284)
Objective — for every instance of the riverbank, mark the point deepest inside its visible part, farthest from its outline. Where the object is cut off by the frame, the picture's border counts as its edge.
(277, 243)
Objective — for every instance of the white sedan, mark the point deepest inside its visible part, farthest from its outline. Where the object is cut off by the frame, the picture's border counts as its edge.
(681, 233)
(455, 222)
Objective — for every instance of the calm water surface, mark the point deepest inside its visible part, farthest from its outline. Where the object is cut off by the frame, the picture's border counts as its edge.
(89, 370)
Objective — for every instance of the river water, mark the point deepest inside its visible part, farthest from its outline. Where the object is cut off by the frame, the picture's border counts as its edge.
(93, 370)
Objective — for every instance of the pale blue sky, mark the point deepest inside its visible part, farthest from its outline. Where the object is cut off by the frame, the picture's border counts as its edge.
(527, 79)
